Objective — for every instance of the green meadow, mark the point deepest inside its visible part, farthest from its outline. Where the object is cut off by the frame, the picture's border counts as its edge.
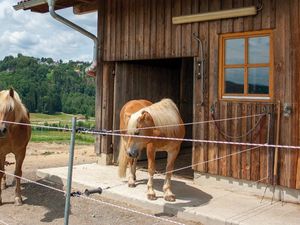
(64, 120)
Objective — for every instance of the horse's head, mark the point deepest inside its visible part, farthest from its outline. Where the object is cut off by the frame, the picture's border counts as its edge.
(139, 124)
(7, 109)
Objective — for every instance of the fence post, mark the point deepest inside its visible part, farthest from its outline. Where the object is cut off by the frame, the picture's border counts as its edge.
(70, 170)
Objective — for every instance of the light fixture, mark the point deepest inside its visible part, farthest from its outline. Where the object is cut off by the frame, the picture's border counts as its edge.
(224, 14)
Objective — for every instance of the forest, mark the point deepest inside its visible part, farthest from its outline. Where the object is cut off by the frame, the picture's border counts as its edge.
(48, 86)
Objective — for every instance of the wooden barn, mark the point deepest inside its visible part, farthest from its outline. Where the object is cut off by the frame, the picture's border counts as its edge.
(217, 59)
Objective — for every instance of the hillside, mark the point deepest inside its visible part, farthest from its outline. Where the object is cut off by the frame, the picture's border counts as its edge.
(46, 86)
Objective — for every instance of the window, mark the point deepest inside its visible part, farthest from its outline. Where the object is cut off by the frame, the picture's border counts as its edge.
(246, 66)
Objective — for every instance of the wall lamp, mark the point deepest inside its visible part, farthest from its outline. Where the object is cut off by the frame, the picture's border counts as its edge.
(224, 14)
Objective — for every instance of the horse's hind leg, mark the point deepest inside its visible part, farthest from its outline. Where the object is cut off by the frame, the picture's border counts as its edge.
(168, 194)
(2, 160)
(132, 177)
(151, 170)
(18, 172)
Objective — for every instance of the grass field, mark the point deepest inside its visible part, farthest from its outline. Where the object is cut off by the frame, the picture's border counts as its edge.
(59, 120)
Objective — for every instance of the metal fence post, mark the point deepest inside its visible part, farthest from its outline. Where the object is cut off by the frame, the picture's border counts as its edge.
(70, 170)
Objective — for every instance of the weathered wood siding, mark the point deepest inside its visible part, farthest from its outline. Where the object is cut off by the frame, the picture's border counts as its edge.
(142, 29)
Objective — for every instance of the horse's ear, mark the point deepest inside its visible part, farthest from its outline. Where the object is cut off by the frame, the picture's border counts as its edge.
(144, 115)
(11, 92)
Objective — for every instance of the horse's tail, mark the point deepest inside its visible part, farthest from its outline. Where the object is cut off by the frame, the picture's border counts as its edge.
(123, 159)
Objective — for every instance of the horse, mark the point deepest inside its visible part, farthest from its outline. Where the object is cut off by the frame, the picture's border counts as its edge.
(161, 119)
(13, 137)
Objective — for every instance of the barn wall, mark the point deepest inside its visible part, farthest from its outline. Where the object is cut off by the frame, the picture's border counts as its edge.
(142, 29)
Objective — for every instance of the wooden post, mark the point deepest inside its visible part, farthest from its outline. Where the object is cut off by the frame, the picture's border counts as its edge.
(99, 73)
(107, 112)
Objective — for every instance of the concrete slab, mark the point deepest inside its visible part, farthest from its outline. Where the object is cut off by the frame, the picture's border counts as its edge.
(205, 204)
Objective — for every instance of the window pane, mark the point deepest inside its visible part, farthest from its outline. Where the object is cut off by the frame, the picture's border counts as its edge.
(259, 50)
(234, 81)
(235, 51)
(258, 80)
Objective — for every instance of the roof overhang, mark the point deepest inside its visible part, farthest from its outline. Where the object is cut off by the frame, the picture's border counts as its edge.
(41, 6)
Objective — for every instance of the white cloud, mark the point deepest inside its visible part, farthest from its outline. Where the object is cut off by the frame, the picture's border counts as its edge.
(39, 35)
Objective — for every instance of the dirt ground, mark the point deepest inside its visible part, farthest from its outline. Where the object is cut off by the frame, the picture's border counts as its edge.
(44, 206)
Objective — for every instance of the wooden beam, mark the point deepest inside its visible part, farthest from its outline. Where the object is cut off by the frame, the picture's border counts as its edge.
(224, 14)
(29, 4)
(82, 8)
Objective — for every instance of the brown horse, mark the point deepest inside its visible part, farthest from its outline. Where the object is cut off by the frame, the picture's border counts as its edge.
(13, 137)
(161, 119)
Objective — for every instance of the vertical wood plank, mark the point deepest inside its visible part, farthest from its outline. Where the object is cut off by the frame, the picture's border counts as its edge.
(107, 106)
(214, 29)
(293, 64)
(266, 15)
(244, 166)
(195, 29)
(132, 28)
(176, 29)
(153, 29)
(257, 20)
(168, 28)
(238, 23)
(160, 24)
(106, 38)
(227, 24)
(98, 95)
(255, 138)
(139, 24)
(204, 108)
(222, 163)
(147, 25)
(186, 29)
(248, 21)
(234, 148)
(112, 35)
(198, 153)
(282, 61)
(118, 15)
(126, 32)
(295, 24)
(263, 151)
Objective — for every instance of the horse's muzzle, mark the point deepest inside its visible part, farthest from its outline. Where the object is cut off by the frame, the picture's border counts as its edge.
(133, 153)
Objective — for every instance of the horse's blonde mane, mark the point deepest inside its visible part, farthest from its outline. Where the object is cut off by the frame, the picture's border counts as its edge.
(163, 113)
(15, 103)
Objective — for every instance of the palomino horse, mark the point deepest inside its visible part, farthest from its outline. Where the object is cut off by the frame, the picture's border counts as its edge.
(161, 119)
(13, 137)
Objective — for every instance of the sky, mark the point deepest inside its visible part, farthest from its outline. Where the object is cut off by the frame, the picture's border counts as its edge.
(39, 35)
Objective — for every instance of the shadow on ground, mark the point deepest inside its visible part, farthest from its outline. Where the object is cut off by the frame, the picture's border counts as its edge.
(186, 196)
(52, 200)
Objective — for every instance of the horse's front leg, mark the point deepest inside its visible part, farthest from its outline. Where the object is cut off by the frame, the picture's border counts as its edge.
(132, 176)
(18, 172)
(151, 170)
(3, 184)
(168, 194)
(2, 160)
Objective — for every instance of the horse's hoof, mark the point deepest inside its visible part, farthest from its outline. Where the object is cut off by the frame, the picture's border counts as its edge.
(170, 198)
(18, 201)
(132, 185)
(151, 197)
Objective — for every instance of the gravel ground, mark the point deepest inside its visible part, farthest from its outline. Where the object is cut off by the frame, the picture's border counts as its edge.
(44, 206)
